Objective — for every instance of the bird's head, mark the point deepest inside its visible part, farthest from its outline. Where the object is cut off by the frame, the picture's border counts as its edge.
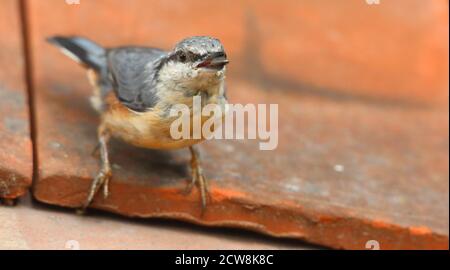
(196, 62)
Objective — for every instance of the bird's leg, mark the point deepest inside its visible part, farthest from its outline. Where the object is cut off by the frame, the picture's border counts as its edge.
(95, 150)
(197, 176)
(105, 174)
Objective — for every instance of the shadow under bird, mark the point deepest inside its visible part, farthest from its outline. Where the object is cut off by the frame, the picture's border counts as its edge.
(134, 89)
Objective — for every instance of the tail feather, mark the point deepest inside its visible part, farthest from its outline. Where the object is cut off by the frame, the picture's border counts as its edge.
(82, 50)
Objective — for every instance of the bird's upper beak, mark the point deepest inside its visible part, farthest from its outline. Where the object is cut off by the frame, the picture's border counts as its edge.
(214, 61)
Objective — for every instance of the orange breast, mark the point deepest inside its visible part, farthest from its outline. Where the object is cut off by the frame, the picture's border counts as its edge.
(143, 129)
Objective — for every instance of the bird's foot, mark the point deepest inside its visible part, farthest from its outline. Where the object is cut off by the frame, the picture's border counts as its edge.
(202, 183)
(105, 174)
(198, 179)
(100, 181)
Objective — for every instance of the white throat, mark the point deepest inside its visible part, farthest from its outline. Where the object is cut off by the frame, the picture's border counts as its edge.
(182, 77)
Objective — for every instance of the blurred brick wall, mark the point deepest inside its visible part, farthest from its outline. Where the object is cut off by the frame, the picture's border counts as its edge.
(394, 51)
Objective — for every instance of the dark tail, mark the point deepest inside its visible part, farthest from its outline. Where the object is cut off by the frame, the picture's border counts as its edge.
(82, 50)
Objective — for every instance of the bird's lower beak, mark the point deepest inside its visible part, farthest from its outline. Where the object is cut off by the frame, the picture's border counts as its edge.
(216, 63)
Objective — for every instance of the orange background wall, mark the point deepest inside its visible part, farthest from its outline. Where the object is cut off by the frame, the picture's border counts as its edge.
(394, 51)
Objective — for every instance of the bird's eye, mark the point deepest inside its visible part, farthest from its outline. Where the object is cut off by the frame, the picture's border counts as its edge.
(182, 57)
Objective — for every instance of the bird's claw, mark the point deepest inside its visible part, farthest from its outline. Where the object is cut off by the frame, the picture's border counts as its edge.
(198, 179)
(100, 181)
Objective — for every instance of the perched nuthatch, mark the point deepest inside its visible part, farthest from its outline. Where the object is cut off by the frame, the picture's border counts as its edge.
(134, 89)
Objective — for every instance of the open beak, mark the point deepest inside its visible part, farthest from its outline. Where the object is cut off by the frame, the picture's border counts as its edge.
(215, 61)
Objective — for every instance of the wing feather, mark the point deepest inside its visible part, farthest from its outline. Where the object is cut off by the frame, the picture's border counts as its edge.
(133, 71)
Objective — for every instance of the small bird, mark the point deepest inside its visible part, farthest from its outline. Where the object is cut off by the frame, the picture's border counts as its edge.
(134, 89)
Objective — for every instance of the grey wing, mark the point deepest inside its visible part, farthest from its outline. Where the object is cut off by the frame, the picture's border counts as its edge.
(133, 70)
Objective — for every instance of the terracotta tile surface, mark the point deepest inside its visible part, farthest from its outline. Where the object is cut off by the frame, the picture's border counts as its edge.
(349, 167)
(15, 143)
(35, 226)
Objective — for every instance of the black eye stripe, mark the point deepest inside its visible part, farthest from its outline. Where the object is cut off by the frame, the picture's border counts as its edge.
(179, 56)
(189, 56)
(184, 56)
(193, 56)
